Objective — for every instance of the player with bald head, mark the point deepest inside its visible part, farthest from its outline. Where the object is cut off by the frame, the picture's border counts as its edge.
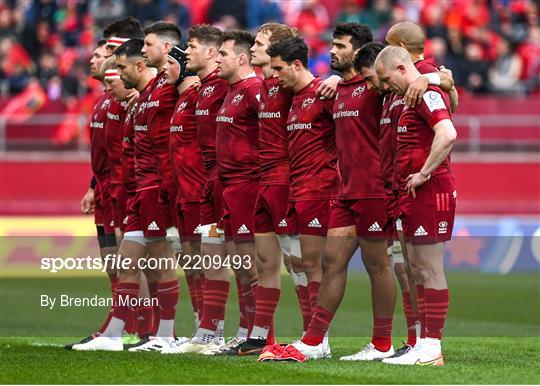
(412, 37)
(426, 196)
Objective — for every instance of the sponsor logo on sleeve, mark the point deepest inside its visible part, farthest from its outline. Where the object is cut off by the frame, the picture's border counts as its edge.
(434, 101)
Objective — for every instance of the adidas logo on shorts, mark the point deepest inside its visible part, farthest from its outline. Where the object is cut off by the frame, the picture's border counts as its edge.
(153, 226)
(243, 229)
(420, 231)
(282, 223)
(375, 227)
(315, 223)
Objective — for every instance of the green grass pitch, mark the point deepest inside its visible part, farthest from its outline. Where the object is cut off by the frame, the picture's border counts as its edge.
(492, 336)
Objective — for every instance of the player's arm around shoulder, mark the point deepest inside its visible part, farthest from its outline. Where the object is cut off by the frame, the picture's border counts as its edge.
(327, 89)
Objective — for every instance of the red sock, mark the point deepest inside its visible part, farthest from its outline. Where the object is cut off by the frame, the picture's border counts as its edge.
(168, 298)
(267, 301)
(382, 333)
(243, 323)
(113, 280)
(409, 317)
(319, 325)
(421, 305)
(153, 290)
(145, 321)
(437, 302)
(305, 306)
(198, 296)
(313, 288)
(192, 290)
(131, 325)
(127, 291)
(254, 285)
(215, 301)
(249, 301)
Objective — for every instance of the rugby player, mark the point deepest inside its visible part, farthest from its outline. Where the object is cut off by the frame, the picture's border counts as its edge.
(142, 316)
(145, 230)
(114, 34)
(358, 215)
(204, 42)
(427, 196)
(186, 161)
(97, 199)
(312, 158)
(238, 165)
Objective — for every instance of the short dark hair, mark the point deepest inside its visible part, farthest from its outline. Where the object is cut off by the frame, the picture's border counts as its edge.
(243, 41)
(101, 42)
(131, 49)
(127, 27)
(366, 56)
(165, 29)
(206, 34)
(360, 33)
(290, 49)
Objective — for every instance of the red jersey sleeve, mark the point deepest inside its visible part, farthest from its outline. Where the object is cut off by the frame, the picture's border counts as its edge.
(434, 106)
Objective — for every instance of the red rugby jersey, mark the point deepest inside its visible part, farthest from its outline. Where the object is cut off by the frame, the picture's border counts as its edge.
(210, 97)
(415, 134)
(113, 137)
(273, 143)
(128, 151)
(357, 111)
(185, 152)
(98, 146)
(146, 166)
(237, 133)
(393, 106)
(160, 108)
(312, 146)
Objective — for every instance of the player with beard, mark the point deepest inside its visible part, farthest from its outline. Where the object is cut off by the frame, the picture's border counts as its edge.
(238, 165)
(312, 158)
(358, 215)
(145, 230)
(427, 196)
(204, 42)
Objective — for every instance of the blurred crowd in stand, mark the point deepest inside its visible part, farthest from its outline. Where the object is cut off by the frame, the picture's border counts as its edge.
(491, 46)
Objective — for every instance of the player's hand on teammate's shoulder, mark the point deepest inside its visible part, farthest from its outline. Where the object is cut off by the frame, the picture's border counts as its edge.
(415, 92)
(327, 89)
(414, 181)
(132, 99)
(88, 203)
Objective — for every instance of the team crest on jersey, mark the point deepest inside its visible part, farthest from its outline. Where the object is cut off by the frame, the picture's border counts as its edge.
(358, 91)
(237, 99)
(208, 91)
(105, 104)
(341, 105)
(263, 106)
(272, 92)
(181, 107)
(307, 103)
(223, 110)
(293, 118)
(161, 83)
(95, 116)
